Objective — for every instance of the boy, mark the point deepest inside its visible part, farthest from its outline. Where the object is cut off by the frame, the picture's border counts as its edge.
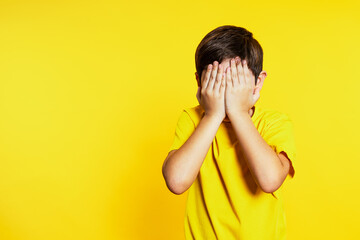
(231, 155)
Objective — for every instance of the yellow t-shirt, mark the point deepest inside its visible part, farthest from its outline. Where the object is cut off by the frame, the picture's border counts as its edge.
(224, 202)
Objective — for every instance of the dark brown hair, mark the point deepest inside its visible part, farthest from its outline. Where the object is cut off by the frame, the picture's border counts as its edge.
(229, 41)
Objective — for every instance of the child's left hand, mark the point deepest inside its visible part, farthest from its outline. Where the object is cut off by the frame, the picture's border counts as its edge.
(240, 85)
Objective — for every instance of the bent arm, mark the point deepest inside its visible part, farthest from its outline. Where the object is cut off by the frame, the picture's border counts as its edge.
(267, 168)
(182, 166)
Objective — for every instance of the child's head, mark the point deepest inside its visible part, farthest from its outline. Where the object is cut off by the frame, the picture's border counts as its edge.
(226, 42)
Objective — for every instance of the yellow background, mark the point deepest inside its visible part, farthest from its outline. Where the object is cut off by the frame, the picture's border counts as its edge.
(90, 93)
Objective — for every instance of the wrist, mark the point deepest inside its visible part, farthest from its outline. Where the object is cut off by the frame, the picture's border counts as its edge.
(213, 118)
(238, 114)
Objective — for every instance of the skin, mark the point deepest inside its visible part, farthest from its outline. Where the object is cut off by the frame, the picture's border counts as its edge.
(228, 93)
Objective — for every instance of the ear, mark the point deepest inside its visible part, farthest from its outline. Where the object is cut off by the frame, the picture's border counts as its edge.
(197, 79)
(260, 81)
(259, 84)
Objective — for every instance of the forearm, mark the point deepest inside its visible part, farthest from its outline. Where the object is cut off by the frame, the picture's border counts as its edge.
(182, 167)
(262, 160)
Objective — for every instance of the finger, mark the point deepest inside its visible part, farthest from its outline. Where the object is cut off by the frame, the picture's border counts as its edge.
(234, 74)
(223, 84)
(228, 78)
(237, 61)
(240, 70)
(213, 76)
(205, 77)
(248, 75)
(218, 78)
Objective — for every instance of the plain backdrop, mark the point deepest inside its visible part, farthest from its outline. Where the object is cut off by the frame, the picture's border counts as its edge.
(90, 93)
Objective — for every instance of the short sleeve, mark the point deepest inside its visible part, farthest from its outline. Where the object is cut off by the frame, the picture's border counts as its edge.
(279, 134)
(184, 128)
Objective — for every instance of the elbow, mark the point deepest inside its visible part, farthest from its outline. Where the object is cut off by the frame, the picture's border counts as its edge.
(270, 185)
(272, 181)
(269, 188)
(176, 188)
(173, 183)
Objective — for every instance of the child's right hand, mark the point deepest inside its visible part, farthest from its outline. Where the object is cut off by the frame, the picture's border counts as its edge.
(212, 97)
